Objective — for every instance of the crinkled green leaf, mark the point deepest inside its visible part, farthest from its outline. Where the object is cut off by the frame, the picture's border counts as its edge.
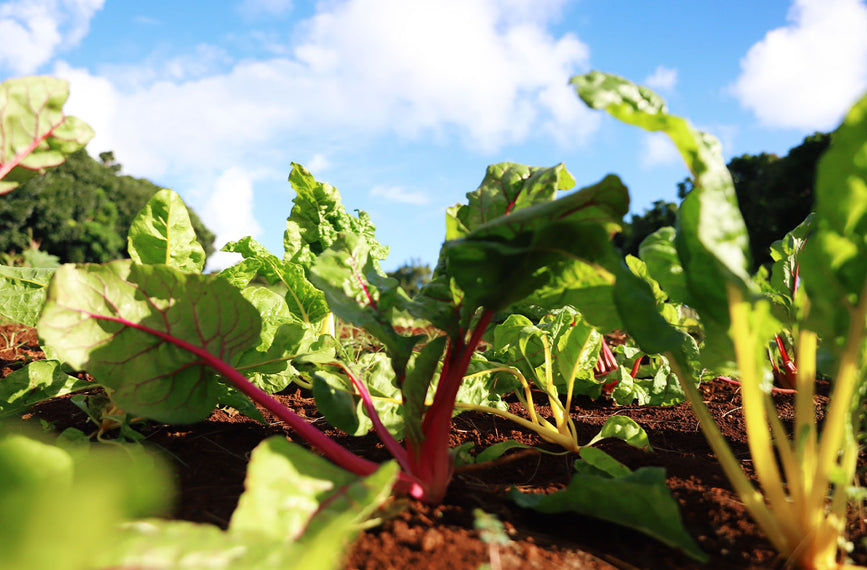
(318, 217)
(506, 188)
(532, 253)
(359, 293)
(130, 325)
(76, 499)
(639, 500)
(34, 133)
(303, 299)
(834, 260)
(35, 382)
(282, 337)
(162, 233)
(22, 293)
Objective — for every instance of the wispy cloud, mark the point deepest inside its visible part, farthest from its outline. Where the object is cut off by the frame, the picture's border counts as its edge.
(663, 78)
(807, 74)
(400, 195)
(318, 163)
(228, 212)
(34, 31)
(359, 66)
(658, 150)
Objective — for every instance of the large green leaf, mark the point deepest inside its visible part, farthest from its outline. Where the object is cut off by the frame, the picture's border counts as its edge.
(287, 486)
(34, 133)
(136, 328)
(282, 338)
(533, 253)
(22, 292)
(609, 491)
(298, 511)
(59, 509)
(834, 260)
(162, 233)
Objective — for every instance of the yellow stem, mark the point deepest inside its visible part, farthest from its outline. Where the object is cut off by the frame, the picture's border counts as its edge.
(752, 499)
(755, 416)
(805, 408)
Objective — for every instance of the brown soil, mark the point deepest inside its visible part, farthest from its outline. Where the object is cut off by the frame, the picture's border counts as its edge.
(210, 460)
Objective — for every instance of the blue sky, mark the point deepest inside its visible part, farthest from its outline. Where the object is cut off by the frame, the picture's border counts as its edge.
(402, 104)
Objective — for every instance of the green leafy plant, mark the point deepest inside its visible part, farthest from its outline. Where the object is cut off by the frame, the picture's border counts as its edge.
(804, 474)
(558, 357)
(159, 337)
(35, 132)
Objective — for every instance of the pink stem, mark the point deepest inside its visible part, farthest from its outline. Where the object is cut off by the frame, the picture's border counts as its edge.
(330, 448)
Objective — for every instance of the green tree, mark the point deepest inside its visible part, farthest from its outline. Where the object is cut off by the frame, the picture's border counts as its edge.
(412, 276)
(80, 211)
(661, 214)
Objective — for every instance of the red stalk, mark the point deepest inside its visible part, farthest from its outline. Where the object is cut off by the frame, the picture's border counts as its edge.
(434, 465)
(330, 448)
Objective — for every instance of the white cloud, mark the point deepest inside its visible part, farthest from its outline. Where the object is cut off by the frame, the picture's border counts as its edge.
(663, 78)
(389, 64)
(228, 213)
(484, 73)
(317, 163)
(658, 150)
(400, 195)
(33, 31)
(359, 66)
(806, 75)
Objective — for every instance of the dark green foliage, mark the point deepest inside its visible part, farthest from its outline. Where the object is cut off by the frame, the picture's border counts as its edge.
(662, 214)
(412, 276)
(80, 211)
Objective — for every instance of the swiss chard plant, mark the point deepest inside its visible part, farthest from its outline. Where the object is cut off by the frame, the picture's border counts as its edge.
(804, 473)
(170, 343)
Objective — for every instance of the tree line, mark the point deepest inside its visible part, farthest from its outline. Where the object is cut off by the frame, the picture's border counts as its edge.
(81, 211)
